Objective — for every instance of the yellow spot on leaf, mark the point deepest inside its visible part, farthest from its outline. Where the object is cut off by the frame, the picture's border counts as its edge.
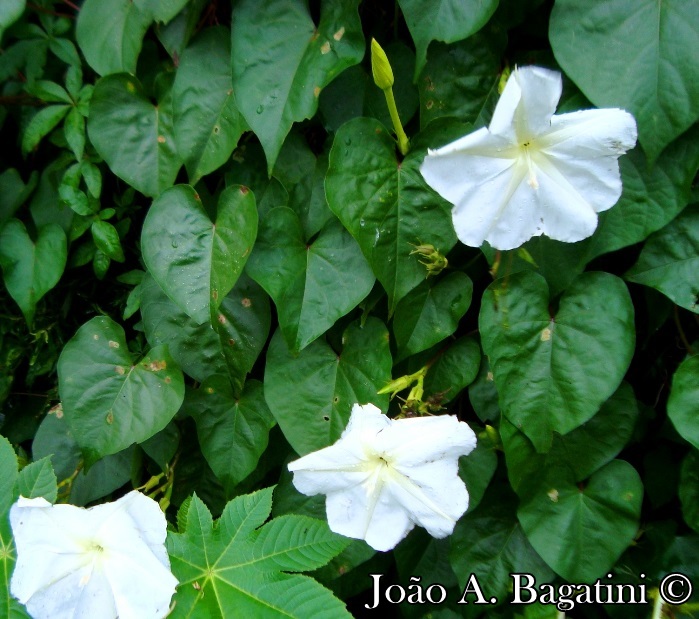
(339, 34)
(110, 418)
(546, 335)
(246, 302)
(325, 48)
(119, 370)
(156, 366)
(489, 377)
(553, 495)
(209, 390)
(316, 92)
(130, 87)
(222, 319)
(161, 139)
(95, 337)
(113, 344)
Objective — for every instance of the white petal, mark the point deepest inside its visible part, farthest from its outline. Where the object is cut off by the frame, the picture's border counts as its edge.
(425, 439)
(527, 104)
(432, 493)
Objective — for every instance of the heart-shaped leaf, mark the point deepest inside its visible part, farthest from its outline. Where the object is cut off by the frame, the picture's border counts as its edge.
(233, 430)
(581, 531)
(194, 260)
(445, 20)
(683, 403)
(207, 122)
(109, 400)
(669, 261)
(454, 369)
(311, 394)
(385, 203)
(134, 136)
(38, 480)
(430, 313)
(312, 284)
(278, 82)
(228, 346)
(630, 54)
(546, 364)
(31, 269)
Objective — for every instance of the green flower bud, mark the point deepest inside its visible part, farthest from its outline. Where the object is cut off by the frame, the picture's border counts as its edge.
(380, 67)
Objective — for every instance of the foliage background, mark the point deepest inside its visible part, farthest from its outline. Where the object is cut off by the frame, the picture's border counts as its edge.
(141, 344)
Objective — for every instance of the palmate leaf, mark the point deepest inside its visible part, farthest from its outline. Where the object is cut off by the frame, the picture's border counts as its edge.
(232, 568)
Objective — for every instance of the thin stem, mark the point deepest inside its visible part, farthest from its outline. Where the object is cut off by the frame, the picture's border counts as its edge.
(41, 9)
(657, 608)
(403, 143)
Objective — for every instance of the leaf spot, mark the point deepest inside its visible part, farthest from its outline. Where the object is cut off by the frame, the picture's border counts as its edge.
(316, 92)
(214, 294)
(110, 418)
(326, 418)
(168, 380)
(161, 139)
(339, 34)
(546, 334)
(244, 190)
(209, 390)
(325, 48)
(231, 342)
(489, 376)
(222, 319)
(113, 344)
(553, 495)
(246, 302)
(95, 337)
(217, 129)
(429, 104)
(119, 370)
(130, 87)
(156, 366)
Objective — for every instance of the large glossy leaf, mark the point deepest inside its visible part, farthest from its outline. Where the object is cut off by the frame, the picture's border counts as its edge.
(233, 431)
(583, 450)
(109, 399)
(651, 198)
(459, 79)
(121, 27)
(197, 261)
(385, 203)
(282, 61)
(207, 122)
(580, 531)
(431, 313)
(444, 20)
(236, 569)
(312, 284)
(683, 403)
(669, 261)
(633, 54)
(134, 136)
(311, 394)
(31, 269)
(490, 543)
(228, 346)
(553, 370)
(38, 480)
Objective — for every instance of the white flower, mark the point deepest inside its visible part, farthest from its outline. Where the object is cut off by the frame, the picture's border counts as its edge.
(530, 172)
(384, 476)
(100, 563)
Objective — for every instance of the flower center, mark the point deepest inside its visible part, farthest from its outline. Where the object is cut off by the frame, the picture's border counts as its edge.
(527, 148)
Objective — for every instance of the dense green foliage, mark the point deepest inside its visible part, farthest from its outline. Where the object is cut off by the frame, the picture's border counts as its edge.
(211, 249)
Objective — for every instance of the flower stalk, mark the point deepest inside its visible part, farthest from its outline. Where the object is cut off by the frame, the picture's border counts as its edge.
(383, 78)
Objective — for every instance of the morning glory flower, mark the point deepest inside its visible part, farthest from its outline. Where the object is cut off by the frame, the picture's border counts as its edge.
(530, 172)
(384, 476)
(100, 563)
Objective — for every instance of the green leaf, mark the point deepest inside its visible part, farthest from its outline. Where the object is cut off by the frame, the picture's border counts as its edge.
(454, 369)
(74, 128)
(194, 260)
(669, 261)
(431, 313)
(282, 60)
(632, 54)
(41, 124)
(8, 476)
(103, 478)
(459, 79)
(207, 122)
(49, 92)
(134, 136)
(651, 197)
(233, 431)
(107, 240)
(546, 364)
(38, 480)
(312, 284)
(228, 346)
(14, 192)
(109, 400)
(385, 204)
(478, 467)
(311, 394)
(489, 542)
(446, 20)
(160, 10)
(583, 450)
(31, 269)
(10, 12)
(683, 403)
(689, 489)
(234, 568)
(54, 440)
(581, 531)
(121, 27)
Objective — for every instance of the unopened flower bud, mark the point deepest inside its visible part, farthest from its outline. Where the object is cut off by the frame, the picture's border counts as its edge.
(380, 66)
(434, 261)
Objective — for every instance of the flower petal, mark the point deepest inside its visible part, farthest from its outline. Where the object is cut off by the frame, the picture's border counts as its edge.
(527, 104)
